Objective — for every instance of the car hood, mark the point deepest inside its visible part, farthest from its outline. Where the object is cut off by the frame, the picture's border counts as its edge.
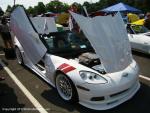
(27, 35)
(44, 25)
(109, 39)
(144, 37)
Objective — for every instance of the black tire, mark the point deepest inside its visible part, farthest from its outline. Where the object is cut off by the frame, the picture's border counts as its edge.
(74, 95)
(19, 56)
(10, 53)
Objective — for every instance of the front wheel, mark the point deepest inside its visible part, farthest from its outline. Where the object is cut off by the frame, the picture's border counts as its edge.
(19, 56)
(66, 88)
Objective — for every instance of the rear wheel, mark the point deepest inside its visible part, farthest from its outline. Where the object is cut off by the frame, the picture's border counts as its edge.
(19, 56)
(66, 88)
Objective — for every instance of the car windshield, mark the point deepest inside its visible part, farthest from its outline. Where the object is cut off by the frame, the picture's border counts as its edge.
(66, 44)
(139, 29)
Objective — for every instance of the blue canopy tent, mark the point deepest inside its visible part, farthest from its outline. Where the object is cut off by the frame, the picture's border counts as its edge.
(121, 7)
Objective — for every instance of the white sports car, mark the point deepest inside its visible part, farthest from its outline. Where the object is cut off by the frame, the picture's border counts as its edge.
(99, 77)
(139, 37)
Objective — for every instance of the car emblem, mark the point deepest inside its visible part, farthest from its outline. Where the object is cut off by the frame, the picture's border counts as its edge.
(125, 75)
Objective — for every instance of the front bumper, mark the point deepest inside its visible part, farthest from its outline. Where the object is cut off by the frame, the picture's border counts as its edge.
(111, 101)
(119, 89)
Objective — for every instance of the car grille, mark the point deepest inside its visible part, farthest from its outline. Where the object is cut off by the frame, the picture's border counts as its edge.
(119, 93)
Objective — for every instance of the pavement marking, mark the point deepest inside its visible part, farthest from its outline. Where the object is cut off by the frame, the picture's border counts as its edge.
(144, 77)
(2, 54)
(37, 105)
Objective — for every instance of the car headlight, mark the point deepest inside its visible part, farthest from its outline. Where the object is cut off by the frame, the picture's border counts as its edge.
(93, 78)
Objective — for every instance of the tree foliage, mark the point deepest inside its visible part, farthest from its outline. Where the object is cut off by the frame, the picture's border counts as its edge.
(41, 8)
(1, 11)
(57, 6)
(9, 8)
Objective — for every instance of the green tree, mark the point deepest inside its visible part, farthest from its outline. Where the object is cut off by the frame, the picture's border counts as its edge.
(65, 7)
(1, 11)
(88, 6)
(40, 8)
(55, 6)
(79, 6)
(9, 8)
(31, 10)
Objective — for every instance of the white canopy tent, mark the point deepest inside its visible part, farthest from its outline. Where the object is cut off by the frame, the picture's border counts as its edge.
(44, 25)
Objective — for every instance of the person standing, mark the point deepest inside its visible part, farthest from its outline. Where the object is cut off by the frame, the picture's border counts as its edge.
(147, 21)
(5, 34)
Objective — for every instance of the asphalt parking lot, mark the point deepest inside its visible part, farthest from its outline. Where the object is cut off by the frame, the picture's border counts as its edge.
(13, 99)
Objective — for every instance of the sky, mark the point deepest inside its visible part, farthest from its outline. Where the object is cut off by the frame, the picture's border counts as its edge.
(27, 3)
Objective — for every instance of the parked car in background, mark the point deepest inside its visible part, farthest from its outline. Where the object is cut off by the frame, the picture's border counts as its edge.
(139, 37)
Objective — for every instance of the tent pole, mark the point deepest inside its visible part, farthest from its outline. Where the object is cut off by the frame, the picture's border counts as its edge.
(14, 2)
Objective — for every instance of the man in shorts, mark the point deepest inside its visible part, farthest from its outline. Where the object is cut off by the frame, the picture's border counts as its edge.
(8, 44)
(147, 21)
(5, 34)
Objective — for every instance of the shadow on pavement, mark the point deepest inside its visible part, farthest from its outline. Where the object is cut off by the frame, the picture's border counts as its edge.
(138, 104)
(8, 100)
(53, 97)
(1, 48)
(140, 54)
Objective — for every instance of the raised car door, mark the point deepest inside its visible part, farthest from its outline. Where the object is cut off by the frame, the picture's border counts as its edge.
(27, 35)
